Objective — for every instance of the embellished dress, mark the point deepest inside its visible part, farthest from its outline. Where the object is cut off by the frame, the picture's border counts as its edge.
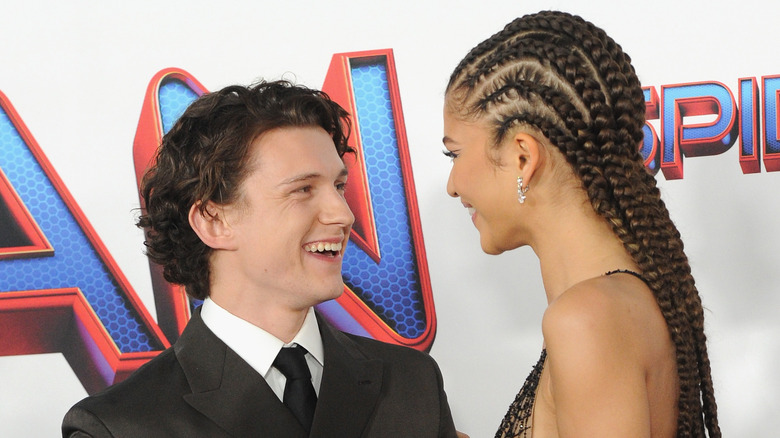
(517, 421)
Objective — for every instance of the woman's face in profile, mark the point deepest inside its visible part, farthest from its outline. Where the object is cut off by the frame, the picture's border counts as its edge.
(486, 189)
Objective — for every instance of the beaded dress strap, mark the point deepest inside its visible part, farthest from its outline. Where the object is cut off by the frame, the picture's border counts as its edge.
(517, 421)
(627, 271)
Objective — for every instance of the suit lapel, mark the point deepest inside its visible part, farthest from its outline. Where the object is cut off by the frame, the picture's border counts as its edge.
(350, 387)
(229, 391)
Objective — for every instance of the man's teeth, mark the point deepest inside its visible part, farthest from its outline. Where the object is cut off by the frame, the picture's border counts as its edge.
(322, 247)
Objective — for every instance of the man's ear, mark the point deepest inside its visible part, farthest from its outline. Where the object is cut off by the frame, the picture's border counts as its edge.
(211, 226)
(526, 155)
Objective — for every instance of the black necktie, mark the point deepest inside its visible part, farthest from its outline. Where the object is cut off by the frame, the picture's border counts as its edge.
(299, 393)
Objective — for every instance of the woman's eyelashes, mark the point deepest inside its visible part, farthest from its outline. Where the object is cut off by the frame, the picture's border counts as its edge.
(450, 154)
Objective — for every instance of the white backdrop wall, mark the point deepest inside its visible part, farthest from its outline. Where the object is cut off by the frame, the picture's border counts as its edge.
(76, 72)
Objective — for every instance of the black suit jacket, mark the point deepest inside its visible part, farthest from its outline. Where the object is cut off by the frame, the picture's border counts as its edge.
(201, 388)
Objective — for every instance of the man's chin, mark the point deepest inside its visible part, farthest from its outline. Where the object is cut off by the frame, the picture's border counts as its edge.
(332, 292)
(337, 292)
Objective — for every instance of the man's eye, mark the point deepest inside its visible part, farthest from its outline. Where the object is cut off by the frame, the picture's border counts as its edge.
(341, 186)
(304, 189)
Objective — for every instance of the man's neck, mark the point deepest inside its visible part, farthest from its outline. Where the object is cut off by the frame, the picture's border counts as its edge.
(284, 322)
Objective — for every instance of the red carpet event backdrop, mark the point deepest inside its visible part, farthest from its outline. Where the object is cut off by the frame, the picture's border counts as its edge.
(87, 91)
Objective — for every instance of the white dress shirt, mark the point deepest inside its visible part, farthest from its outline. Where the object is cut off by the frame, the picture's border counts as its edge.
(259, 348)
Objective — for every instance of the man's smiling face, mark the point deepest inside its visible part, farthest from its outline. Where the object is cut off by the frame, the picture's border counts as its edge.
(291, 221)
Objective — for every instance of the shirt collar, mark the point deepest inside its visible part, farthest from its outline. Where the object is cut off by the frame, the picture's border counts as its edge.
(309, 337)
(256, 346)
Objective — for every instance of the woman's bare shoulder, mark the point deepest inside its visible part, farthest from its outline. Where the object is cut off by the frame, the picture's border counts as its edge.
(606, 313)
(598, 357)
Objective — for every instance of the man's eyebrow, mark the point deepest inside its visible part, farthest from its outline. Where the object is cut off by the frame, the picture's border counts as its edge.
(309, 176)
(301, 177)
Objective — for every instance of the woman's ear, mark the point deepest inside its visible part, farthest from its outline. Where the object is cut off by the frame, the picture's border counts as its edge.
(211, 226)
(526, 155)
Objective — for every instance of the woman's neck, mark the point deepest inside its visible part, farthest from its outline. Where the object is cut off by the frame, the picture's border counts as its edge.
(574, 245)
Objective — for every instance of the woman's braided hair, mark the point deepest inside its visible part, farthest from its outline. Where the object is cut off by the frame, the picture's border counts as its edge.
(565, 77)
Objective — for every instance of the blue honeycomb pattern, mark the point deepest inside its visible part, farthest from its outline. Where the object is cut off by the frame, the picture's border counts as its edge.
(75, 263)
(174, 98)
(746, 115)
(771, 85)
(647, 147)
(391, 289)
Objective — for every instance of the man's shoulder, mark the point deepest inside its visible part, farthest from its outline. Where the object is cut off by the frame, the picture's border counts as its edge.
(144, 404)
(141, 401)
(370, 348)
(412, 400)
(373, 348)
(160, 375)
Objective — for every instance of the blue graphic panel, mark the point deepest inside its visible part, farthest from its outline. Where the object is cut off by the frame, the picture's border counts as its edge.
(175, 96)
(746, 117)
(392, 288)
(648, 147)
(75, 263)
(771, 134)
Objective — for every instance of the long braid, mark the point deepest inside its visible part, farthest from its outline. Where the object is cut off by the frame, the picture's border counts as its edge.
(564, 77)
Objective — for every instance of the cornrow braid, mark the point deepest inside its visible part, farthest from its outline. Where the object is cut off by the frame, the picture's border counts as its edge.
(564, 77)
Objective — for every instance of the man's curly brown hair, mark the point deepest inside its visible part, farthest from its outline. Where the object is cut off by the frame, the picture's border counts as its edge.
(204, 157)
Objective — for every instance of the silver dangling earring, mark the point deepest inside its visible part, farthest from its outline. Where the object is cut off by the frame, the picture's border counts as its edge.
(520, 190)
